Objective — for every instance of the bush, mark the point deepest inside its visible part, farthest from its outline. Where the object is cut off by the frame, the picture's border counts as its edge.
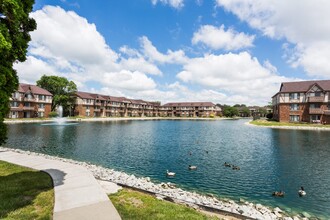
(269, 115)
(52, 114)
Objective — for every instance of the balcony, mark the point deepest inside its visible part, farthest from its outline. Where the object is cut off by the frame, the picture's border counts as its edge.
(97, 103)
(295, 112)
(316, 99)
(29, 99)
(97, 110)
(326, 112)
(294, 100)
(315, 111)
(28, 108)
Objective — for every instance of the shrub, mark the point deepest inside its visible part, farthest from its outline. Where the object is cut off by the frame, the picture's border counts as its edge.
(52, 114)
(269, 115)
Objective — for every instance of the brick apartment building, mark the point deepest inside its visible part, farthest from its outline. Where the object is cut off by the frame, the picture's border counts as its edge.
(30, 101)
(96, 105)
(305, 101)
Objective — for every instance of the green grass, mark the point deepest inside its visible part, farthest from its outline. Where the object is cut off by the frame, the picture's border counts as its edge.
(275, 123)
(136, 205)
(25, 193)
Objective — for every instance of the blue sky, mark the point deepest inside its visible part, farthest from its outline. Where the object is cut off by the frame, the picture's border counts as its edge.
(223, 51)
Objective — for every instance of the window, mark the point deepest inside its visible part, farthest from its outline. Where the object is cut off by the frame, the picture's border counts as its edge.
(294, 95)
(14, 104)
(41, 105)
(42, 97)
(315, 105)
(317, 94)
(294, 118)
(41, 114)
(87, 114)
(87, 107)
(27, 104)
(294, 107)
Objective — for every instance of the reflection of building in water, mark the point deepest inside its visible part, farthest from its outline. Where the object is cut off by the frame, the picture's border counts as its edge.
(306, 101)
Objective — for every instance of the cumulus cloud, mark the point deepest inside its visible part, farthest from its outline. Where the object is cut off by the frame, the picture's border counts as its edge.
(301, 22)
(239, 75)
(127, 80)
(219, 38)
(66, 44)
(151, 52)
(177, 4)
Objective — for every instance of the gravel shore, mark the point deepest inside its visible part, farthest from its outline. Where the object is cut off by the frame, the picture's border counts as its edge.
(169, 191)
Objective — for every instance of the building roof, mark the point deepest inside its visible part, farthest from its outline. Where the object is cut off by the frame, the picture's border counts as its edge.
(189, 104)
(24, 88)
(304, 86)
(84, 95)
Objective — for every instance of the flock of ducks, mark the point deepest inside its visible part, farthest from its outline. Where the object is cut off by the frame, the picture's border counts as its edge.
(234, 167)
(301, 192)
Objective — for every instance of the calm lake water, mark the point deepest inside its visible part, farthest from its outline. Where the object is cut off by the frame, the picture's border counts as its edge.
(270, 159)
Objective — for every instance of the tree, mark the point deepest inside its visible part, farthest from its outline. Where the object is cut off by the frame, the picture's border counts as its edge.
(62, 90)
(15, 25)
(245, 111)
(229, 111)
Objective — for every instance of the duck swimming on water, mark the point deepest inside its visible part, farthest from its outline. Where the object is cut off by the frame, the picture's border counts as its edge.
(301, 192)
(190, 167)
(170, 173)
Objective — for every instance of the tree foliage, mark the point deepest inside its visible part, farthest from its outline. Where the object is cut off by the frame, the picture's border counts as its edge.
(62, 90)
(15, 25)
(229, 111)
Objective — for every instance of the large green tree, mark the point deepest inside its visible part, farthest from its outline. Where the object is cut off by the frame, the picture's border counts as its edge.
(15, 25)
(62, 89)
(229, 111)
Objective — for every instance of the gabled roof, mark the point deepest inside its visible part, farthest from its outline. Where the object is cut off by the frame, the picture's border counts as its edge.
(189, 104)
(84, 95)
(36, 90)
(304, 86)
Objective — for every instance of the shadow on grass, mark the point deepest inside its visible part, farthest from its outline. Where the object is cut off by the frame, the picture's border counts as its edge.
(19, 190)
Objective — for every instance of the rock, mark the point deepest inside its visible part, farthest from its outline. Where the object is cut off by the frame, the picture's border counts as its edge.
(278, 214)
(277, 209)
(241, 200)
(305, 214)
(259, 206)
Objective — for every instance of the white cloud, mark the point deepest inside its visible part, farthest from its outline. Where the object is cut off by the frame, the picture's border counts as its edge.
(303, 23)
(219, 38)
(177, 4)
(65, 44)
(127, 80)
(151, 53)
(237, 75)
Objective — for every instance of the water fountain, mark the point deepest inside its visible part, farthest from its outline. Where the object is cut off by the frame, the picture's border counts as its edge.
(60, 120)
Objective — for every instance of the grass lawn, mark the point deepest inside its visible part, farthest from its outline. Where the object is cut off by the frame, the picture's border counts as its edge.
(275, 123)
(136, 205)
(25, 193)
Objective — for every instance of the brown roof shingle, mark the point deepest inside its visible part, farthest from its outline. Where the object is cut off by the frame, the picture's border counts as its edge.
(304, 86)
(189, 104)
(22, 87)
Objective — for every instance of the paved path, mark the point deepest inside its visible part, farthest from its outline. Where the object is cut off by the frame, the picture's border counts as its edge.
(77, 194)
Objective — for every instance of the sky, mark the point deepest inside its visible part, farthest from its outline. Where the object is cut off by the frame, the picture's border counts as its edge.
(223, 51)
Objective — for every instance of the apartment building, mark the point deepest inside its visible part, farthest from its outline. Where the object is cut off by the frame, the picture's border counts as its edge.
(190, 109)
(306, 101)
(96, 105)
(30, 101)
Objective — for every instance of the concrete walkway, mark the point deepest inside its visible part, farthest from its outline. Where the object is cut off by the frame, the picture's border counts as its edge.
(77, 194)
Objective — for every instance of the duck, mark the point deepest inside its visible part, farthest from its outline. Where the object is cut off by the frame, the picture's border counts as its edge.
(236, 168)
(170, 173)
(301, 192)
(279, 194)
(190, 167)
(227, 164)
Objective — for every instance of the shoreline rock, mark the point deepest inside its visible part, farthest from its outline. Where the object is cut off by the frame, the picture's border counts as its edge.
(170, 191)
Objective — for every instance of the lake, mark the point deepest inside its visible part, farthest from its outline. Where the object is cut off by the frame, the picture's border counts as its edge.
(269, 159)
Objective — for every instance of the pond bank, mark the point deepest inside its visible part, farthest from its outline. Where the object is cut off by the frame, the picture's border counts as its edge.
(169, 190)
